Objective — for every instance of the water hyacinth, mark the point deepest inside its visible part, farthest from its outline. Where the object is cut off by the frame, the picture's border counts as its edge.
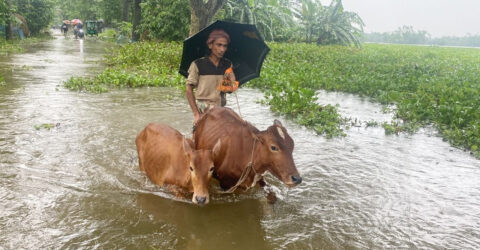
(428, 85)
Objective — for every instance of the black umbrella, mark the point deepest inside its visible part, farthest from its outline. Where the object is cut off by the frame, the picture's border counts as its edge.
(247, 50)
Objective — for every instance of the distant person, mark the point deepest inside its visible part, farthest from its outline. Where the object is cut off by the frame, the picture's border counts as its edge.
(101, 25)
(64, 28)
(77, 29)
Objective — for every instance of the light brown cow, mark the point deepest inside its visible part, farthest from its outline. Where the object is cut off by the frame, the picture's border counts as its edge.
(169, 159)
(243, 144)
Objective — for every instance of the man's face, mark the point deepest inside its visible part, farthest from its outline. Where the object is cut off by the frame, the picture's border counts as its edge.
(218, 47)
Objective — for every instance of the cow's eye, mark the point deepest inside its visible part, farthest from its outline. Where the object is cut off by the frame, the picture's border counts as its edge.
(191, 169)
(211, 169)
(273, 148)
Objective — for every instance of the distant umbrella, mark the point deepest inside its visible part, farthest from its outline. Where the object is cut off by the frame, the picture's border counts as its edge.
(247, 50)
(75, 21)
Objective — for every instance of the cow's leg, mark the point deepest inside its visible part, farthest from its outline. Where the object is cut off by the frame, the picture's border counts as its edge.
(271, 196)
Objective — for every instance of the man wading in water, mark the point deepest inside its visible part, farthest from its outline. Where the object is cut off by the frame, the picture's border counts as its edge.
(205, 74)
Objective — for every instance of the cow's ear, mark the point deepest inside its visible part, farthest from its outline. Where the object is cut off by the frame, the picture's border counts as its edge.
(187, 145)
(216, 148)
(277, 122)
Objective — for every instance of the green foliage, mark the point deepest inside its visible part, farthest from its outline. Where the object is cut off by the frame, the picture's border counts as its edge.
(404, 35)
(46, 126)
(4, 11)
(273, 19)
(329, 24)
(110, 11)
(108, 35)
(165, 19)
(7, 47)
(408, 35)
(428, 85)
(38, 13)
(299, 103)
(135, 65)
(125, 29)
(85, 9)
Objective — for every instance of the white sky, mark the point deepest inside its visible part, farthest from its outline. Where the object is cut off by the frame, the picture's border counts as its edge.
(437, 17)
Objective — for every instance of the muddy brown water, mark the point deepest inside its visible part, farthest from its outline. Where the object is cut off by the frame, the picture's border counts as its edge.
(77, 184)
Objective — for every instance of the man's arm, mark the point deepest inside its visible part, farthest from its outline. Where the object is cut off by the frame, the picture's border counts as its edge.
(193, 104)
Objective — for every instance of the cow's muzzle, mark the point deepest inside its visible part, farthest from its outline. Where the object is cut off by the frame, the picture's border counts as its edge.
(296, 179)
(200, 200)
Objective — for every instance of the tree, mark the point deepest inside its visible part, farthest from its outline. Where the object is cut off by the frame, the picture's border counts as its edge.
(329, 24)
(5, 17)
(125, 11)
(137, 18)
(165, 19)
(308, 12)
(111, 11)
(202, 12)
(4, 11)
(271, 17)
(337, 26)
(38, 13)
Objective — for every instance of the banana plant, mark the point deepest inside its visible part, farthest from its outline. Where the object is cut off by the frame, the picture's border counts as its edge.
(270, 16)
(329, 24)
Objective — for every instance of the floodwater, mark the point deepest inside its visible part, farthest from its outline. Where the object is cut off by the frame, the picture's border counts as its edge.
(69, 176)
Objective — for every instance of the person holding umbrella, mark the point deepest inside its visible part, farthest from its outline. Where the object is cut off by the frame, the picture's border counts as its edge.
(205, 65)
(65, 27)
(207, 72)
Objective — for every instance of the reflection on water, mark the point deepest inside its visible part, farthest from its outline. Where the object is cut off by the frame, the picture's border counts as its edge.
(77, 185)
(211, 227)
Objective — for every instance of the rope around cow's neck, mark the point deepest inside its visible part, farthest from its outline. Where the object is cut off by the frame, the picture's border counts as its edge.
(238, 105)
(245, 173)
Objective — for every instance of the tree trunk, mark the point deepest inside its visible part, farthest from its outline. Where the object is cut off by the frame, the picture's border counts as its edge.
(137, 18)
(8, 26)
(201, 13)
(126, 8)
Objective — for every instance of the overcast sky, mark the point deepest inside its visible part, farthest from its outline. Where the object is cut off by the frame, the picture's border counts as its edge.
(437, 17)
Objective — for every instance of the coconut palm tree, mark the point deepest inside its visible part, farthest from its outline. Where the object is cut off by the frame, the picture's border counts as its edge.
(337, 26)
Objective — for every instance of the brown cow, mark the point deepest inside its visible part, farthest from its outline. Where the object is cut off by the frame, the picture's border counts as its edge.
(168, 158)
(242, 145)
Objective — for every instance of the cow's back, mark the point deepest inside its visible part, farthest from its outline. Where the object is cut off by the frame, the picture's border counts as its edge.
(160, 150)
(218, 123)
(236, 136)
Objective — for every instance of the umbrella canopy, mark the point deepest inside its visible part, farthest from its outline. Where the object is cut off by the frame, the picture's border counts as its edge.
(247, 50)
(75, 21)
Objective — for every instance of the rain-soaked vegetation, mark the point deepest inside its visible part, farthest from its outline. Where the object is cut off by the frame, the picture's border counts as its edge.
(7, 47)
(422, 85)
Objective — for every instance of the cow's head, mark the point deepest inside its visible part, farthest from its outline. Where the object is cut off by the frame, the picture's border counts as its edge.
(201, 169)
(275, 154)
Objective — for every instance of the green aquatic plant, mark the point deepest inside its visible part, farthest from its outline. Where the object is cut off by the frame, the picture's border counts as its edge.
(46, 126)
(420, 85)
(7, 47)
(427, 85)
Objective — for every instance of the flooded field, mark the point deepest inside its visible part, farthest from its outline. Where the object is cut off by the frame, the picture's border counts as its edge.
(69, 175)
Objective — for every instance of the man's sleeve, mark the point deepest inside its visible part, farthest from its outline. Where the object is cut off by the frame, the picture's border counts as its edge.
(192, 78)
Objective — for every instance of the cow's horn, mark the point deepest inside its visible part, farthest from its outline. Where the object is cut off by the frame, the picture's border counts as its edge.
(277, 122)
